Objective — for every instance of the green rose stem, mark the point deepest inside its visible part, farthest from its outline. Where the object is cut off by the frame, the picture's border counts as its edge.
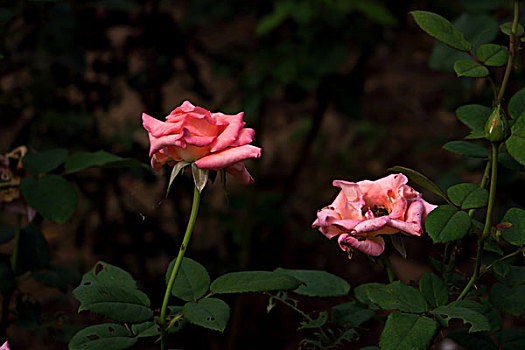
(176, 267)
(448, 266)
(512, 51)
(385, 258)
(488, 220)
(9, 293)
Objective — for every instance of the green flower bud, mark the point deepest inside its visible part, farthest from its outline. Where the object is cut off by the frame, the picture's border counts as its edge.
(497, 128)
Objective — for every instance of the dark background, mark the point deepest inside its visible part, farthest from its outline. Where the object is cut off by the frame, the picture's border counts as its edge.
(333, 89)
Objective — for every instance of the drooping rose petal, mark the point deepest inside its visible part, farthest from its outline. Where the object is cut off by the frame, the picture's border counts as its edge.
(372, 246)
(5, 346)
(240, 173)
(227, 157)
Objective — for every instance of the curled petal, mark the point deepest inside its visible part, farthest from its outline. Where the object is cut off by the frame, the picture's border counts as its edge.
(350, 189)
(371, 225)
(240, 173)
(158, 128)
(371, 246)
(199, 141)
(246, 136)
(228, 157)
(231, 133)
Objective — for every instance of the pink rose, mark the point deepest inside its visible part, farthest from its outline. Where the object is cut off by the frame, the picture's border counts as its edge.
(5, 346)
(212, 140)
(366, 209)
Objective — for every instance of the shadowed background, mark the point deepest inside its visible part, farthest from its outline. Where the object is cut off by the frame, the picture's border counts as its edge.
(334, 90)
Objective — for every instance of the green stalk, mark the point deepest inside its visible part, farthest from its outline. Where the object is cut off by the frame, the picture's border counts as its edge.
(512, 49)
(176, 267)
(385, 258)
(488, 220)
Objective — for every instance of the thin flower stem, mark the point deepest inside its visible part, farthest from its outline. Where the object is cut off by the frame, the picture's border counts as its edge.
(491, 81)
(176, 267)
(488, 220)
(503, 258)
(385, 258)
(304, 314)
(512, 49)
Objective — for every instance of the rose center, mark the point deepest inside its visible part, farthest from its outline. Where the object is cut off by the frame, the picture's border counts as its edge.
(375, 211)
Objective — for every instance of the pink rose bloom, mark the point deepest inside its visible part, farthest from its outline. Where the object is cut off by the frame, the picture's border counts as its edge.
(366, 209)
(212, 140)
(5, 346)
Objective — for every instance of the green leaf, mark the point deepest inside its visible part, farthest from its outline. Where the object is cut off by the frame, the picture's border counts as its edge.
(146, 329)
(362, 297)
(397, 296)
(511, 339)
(51, 196)
(446, 224)
(492, 246)
(433, 289)
(508, 162)
(467, 149)
(316, 322)
(349, 315)
(468, 196)
(39, 163)
(33, 253)
(516, 276)
(516, 234)
(253, 281)
(517, 104)
(502, 268)
(492, 54)
(474, 116)
(200, 176)
(6, 234)
(399, 244)
(176, 170)
(405, 331)
(516, 142)
(318, 283)
(101, 159)
(209, 313)
(102, 337)
(441, 29)
(192, 280)
(472, 340)
(508, 298)
(471, 69)
(477, 28)
(421, 180)
(506, 29)
(463, 310)
(112, 292)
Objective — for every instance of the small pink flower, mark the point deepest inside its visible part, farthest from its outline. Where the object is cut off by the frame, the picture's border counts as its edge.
(366, 209)
(5, 346)
(212, 140)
